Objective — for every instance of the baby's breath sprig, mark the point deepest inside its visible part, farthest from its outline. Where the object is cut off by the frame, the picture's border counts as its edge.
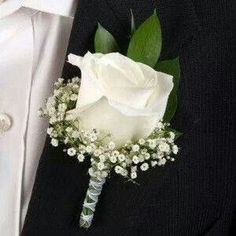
(130, 159)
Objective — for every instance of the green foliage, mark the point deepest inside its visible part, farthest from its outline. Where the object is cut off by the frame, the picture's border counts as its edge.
(171, 67)
(145, 44)
(104, 41)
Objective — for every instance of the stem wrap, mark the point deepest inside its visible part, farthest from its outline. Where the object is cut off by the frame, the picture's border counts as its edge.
(91, 200)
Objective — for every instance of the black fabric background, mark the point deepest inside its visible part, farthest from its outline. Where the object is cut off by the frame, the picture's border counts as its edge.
(196, 194)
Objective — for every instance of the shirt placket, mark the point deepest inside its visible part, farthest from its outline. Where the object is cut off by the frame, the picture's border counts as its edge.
(16, 61)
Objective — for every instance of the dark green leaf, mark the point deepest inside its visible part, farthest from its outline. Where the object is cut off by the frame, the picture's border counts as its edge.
(171, 106)
(171, 67)
(104, 41)
(145, 44)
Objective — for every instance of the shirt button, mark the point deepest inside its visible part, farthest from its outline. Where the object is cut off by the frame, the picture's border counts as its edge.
(5, 123)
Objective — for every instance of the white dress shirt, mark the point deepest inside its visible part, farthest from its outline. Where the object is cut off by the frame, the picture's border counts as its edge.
(34, 35)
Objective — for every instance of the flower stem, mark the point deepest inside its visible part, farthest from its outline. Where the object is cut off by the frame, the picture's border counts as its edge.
(91, 200)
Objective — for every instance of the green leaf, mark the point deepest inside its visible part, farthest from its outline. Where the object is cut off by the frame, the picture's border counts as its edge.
(145, 44)
(171, 67)
(171, 107)
(133, 27)
(104, 41)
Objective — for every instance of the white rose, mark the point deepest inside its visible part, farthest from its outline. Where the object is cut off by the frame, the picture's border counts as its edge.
(120, 96)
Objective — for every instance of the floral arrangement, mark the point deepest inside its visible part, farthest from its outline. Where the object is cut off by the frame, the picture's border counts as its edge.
(117, 114)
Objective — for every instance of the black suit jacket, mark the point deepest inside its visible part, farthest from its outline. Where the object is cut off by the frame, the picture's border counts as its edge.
(194, 195)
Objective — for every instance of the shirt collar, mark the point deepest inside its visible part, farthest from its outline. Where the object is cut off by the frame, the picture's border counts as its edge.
(58, 7)
(8, 7)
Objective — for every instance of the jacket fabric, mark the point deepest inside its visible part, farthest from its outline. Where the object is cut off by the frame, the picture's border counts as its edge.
(195, 195)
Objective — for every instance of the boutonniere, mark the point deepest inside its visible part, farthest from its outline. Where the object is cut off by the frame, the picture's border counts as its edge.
(118, 113)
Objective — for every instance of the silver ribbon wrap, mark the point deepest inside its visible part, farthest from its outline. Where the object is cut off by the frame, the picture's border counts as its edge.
(91, 200)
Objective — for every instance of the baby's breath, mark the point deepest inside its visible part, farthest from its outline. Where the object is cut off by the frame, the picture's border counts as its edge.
(127, 161)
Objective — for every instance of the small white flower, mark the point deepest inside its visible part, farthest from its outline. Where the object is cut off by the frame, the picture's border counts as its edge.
(154, 163)
(164, 147)
(115, 153)
(57, 92)
(75, 87)
(54, 142)
(147, 156)
(52, 120)
(128, 161)
(65, 98)
(123, 164)
(144, 167)
(175, 149)
(121, 157)
(133, 175)
(91, 172)
(97, 152)
(66, 140)
(144, 151)
(172, 135)
(62, 107)
(135, 159)
(124, 172)
(89, 149)
(50, 130)
(135, 148)
(160, 125)
(51, 102)
(162, 162)
(74, 97)
(141, 141)
(102, 158)
(100, 166)
(141, 158)
(93, 146)
(82, 150)
(71, 152)
(113, 159)
(111, 145)
(75, 80)
(160, 155)
(118, 169)
(104, 174)
(134, 168)
(80, 157)
(154, 155)
(51, 111)
(152, 143)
